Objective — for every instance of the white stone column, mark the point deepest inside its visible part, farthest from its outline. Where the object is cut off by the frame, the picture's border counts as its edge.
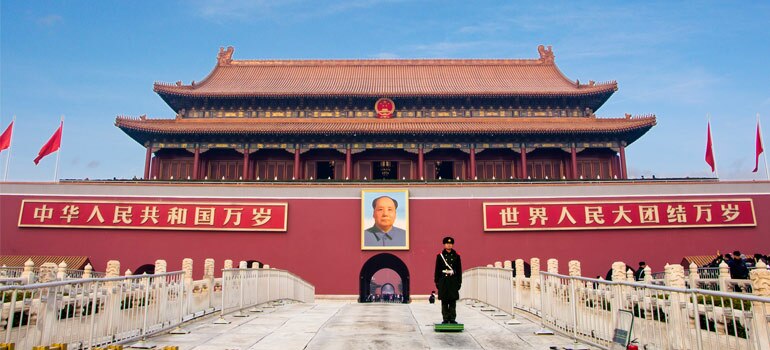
(113, 268)
(519, 280)
(87, 271)
(112, 308)
(679, 320)
(553, 265)
(160, 266)
(648, 274)
(724, 275)
(62, 273)
(574, 268)
(27, 274)
(48, 272)
(760, 286)
(534, 276)
(619, 271)
(208, 280)
(693, 276)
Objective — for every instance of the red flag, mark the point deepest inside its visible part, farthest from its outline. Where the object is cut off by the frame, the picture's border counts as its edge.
(5, 138)
(52, 145)
(710, 150)
(759, 148)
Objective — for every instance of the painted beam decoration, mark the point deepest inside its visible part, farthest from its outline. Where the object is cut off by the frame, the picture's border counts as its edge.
(150, 215)
(597, 215)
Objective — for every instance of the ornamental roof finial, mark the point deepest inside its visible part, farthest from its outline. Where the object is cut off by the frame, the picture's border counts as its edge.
(225, 56)
(546, 53)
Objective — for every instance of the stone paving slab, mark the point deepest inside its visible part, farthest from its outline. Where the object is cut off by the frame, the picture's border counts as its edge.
(349, 325)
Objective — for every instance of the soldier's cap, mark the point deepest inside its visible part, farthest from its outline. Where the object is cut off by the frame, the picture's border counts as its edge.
(448, 240)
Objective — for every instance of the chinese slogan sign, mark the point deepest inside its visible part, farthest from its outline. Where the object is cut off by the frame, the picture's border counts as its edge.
(154, 215)
(618, 214)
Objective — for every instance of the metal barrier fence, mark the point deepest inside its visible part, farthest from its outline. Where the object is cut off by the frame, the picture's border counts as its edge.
(664, 317)
(244, 288)
(90, 312)
(87, 313)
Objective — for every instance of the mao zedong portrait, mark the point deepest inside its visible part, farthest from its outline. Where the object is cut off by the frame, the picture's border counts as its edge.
(383, 233)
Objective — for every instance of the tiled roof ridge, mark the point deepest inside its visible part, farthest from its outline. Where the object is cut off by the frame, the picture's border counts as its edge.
(224, 59)
(128, 118)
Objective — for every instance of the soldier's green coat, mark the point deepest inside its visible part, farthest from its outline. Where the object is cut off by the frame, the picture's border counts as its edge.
(448, 286)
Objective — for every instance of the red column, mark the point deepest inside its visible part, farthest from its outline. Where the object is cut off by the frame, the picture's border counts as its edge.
(523, 162)
(296, 163)
(420, 164)
(196, 171)
(473, 163)
(245, 173)
(348, 163)
(147, 159)
(574, 163)
(623, 173)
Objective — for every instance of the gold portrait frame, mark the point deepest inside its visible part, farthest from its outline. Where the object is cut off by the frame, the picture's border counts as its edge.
(372, 237)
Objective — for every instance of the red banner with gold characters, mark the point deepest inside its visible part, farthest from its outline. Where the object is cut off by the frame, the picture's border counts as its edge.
(675, 213)
(205, 216)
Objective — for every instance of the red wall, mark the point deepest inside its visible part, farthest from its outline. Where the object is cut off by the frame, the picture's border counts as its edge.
(322, 244)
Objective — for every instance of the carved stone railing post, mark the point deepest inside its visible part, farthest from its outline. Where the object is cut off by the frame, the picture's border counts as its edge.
(228, 264)
(519, 280)
(534, 275)
(678, 303)
(27, 274)
(647, 274)
(47, 311)
(724, 276)
(574, 268)
(88, 271)
(48, 272)
(112, 301)
(129, 273)
(187, 276)
(208, 279)
(242, 264)
(498, 264)
(760, 286)
(553, 265)
(693, 276)
(62, 273)
(619, 271)
(160, 266)
(113, 268)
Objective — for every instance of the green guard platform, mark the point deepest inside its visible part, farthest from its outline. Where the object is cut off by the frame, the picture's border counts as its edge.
(448, 327)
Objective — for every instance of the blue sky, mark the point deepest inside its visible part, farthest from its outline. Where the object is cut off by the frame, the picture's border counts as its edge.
(93, 60)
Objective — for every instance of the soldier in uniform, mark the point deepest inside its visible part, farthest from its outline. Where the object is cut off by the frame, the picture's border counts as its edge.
(448, 278)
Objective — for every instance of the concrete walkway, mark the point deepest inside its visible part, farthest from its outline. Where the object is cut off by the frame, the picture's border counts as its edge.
(349, 325)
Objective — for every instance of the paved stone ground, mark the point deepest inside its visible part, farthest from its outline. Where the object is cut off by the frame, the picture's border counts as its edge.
(349, 325)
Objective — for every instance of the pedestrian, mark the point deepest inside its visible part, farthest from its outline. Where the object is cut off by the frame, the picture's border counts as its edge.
(448, 279)
(639, 274)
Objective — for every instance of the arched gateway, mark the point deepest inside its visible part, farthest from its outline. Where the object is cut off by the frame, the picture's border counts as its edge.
(377, 263)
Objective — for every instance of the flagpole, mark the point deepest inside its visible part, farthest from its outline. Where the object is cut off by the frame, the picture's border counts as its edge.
(713, 153)
(761, 140)
(58, 154)
(10, 144)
